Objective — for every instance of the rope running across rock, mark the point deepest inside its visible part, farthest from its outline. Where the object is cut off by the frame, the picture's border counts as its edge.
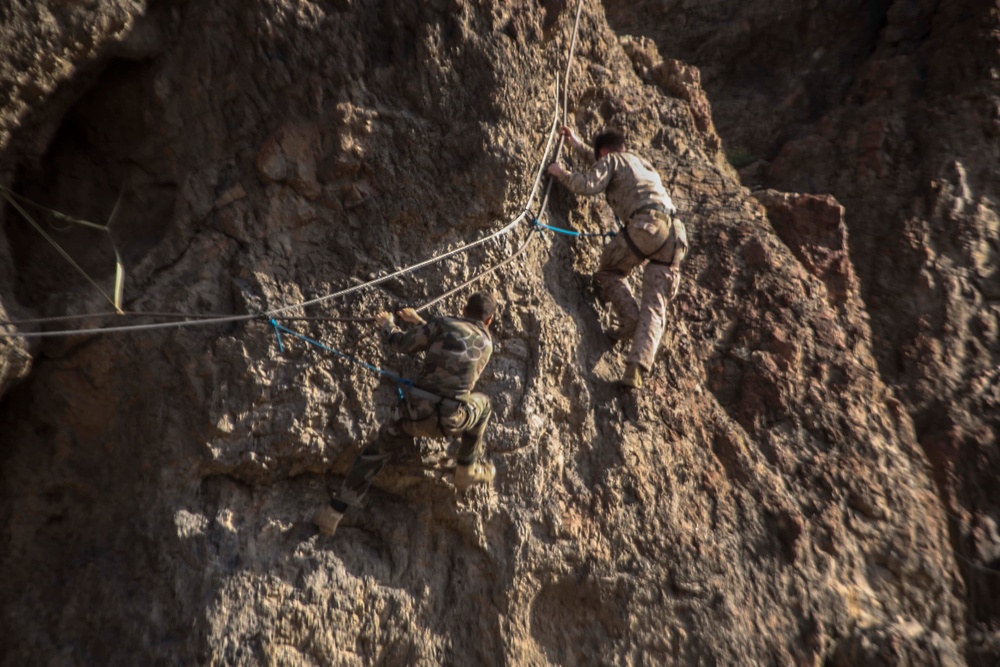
(277, 313)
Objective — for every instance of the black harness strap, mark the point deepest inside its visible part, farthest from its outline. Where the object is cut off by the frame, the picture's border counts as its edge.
(631, 244)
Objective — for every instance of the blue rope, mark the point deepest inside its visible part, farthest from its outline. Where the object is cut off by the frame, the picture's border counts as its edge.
(277, 332)
(400, 381)
(570, 232)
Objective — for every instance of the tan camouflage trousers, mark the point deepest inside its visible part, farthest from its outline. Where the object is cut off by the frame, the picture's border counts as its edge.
(467, 421)
(646, 319)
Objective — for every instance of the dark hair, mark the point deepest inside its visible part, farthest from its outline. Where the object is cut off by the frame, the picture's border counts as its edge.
(609, 138)
(480, 306)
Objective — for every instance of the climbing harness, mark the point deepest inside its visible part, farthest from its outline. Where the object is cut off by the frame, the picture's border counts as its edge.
(668, 224)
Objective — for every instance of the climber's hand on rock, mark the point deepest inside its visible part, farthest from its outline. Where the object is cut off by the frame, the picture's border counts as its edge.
(571, 137)
(410, 316)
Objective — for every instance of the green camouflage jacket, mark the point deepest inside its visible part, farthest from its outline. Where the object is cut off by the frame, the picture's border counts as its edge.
(457, 351)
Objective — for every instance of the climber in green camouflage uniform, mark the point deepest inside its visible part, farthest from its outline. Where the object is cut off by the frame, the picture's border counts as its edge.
(440, 405)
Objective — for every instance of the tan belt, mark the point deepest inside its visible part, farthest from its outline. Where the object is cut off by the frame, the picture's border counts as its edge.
(655, 206)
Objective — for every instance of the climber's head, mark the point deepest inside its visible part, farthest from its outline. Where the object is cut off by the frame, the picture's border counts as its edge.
(608, 141)
(481, 306)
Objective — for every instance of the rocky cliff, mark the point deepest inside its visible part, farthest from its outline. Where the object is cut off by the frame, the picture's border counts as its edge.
(797, 484)
(893, 107)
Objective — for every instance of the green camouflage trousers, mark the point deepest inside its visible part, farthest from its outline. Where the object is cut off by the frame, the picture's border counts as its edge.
(648, 318)
(420, 419)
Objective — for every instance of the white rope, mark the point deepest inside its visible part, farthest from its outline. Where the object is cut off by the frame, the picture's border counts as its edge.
(569, 61)
(278, 311)
(72, 262)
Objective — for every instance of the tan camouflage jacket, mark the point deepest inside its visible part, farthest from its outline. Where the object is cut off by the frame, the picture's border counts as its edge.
(628, 181)
(457, 351)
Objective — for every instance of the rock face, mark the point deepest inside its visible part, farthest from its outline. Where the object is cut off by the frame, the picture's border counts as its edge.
(773, 495)
(894, 108)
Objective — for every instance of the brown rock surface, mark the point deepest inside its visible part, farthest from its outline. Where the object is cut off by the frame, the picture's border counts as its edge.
(765, 500)
(891, 107)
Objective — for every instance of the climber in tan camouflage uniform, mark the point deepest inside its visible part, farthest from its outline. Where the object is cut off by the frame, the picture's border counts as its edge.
(440, 405)
(650, 231)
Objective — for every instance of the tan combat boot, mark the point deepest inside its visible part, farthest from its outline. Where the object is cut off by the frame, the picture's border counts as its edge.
(633, 376)
(476, 473)
(326, 519)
